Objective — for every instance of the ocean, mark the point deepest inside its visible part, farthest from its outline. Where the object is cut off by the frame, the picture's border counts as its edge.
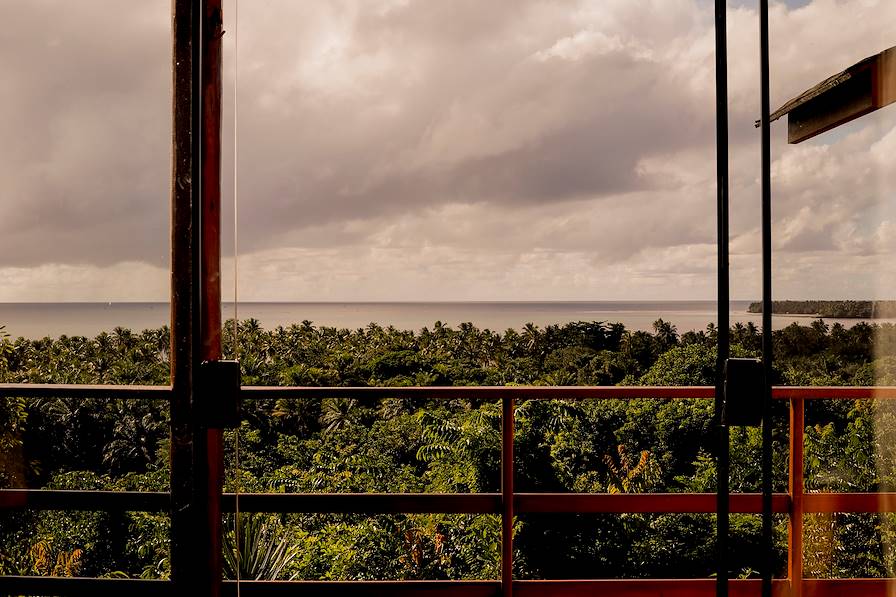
(36, 320)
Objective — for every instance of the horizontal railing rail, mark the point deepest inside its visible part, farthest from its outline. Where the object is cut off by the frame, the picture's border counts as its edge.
(482, 392)
(100, 587)
(854, 587)
(84, 500)
(84, 392)
(143, 392)
(450, 503)
(506, 504)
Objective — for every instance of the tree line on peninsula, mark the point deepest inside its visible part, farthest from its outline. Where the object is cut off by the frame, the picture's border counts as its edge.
(832, 309)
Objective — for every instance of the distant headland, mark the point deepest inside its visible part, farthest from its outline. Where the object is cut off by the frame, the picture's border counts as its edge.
(835, 309)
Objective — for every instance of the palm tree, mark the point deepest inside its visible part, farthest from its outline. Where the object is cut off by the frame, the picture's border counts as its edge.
(124, 338)
(338, 413)
(531, 338)
(666, 334)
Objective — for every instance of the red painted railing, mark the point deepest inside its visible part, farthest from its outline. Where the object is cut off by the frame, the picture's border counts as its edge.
(507, 503)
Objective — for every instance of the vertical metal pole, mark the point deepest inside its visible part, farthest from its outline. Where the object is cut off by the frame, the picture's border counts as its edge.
(767, 540)
(723, 296)
(507, 424)
(210, 277)
(185, 548)
(795, 537)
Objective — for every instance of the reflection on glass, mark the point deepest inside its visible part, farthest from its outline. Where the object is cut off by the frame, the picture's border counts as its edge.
(833, 210)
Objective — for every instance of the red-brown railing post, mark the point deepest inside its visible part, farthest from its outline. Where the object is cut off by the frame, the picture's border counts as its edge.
(797, 487)
(212, 444)
(507, 424)
(210, 202)
(185, 550)
(196, 452)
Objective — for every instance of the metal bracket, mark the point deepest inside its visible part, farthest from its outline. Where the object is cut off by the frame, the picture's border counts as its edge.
(744, 393)
(216, 403)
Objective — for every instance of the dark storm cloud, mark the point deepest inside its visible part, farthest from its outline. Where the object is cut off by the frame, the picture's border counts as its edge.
(83, 115)
(348, 111)
(524, 144)
(465, 105)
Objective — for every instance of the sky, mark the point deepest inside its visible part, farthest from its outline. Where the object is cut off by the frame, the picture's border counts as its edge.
(417, 150)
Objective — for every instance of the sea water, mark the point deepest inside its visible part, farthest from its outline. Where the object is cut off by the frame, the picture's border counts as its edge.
(36, 320)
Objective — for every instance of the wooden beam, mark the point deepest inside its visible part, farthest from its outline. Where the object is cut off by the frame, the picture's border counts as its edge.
(381, 588)
(864, 87)
(366, 503)
(839, 105)
(885, 79)
(698, 587)
(483, 392)
(90, 501)
(618, 503)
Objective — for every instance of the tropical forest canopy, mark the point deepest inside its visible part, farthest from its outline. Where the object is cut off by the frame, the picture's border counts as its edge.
(398, 445)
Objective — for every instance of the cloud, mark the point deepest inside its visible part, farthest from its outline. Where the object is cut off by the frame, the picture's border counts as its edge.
(500, 119)
(415, 149)
(84, 114)
(81, 282)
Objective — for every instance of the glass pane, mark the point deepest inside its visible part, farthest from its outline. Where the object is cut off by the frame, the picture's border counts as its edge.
(832, 198)
(401, 155)
(353, 547)
(107, 544)
(421, 176)
(85, 183)
(84, 259)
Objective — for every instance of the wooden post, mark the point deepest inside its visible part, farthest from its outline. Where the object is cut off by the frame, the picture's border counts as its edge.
(196, 453)
(507, 424)
(210, 278)
(184, 543)
(797, 487)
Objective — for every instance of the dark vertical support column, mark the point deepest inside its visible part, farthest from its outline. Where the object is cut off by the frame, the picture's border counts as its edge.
(210, 484)
(184, 548)
(723, 297)
(507, 424)
(196, 453)
(769, 559)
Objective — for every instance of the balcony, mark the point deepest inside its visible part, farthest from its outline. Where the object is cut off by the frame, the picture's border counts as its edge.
(195, 503)
(795, 504)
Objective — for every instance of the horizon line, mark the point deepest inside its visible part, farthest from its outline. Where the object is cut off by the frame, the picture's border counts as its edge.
(434, 302)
